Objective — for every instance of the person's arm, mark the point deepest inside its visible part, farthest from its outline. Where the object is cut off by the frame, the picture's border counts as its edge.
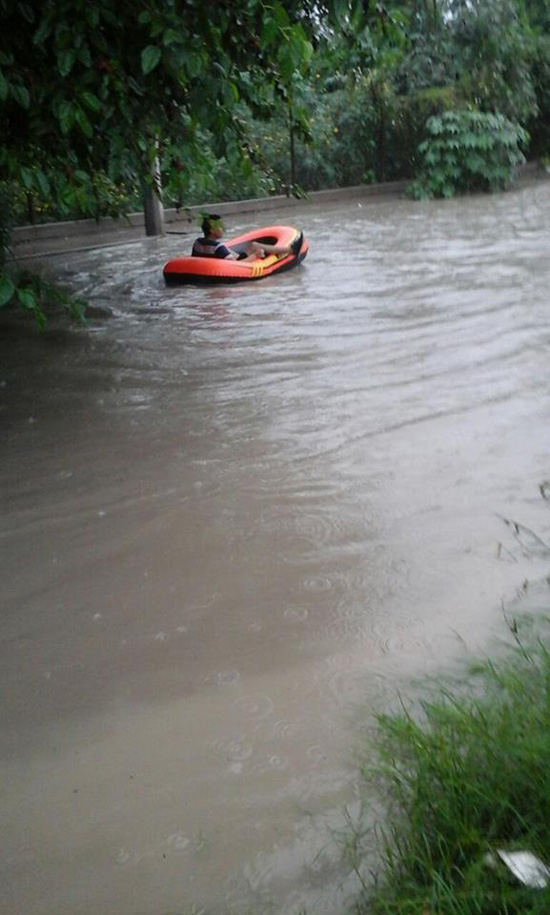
(226, 253)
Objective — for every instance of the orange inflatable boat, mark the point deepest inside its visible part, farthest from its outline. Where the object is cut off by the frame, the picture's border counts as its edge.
(221, 270)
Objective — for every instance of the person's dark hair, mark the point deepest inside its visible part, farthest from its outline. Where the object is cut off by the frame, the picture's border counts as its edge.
(209, 222)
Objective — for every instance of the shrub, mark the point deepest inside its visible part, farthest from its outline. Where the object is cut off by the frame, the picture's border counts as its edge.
(75, 194)
(468, 151)
(28, 291)
(461, 775)
(409, 124)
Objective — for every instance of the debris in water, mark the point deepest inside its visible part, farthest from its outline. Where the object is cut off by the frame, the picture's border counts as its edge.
(524, 865)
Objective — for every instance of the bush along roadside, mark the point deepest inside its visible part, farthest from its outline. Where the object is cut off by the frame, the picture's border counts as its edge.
(35, 295)
(28, 291)
(468, 151)
(465, 783)
(31, 293)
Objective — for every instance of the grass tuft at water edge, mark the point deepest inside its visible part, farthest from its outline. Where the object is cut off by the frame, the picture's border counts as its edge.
(462, 775)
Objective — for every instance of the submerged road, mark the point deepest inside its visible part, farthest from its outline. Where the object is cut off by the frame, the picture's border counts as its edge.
(235, 522)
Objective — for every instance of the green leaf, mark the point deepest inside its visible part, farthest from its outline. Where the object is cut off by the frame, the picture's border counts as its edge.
(84, 56)
(66, 116)
(65, 61)
(280, 15)
(286, 60)
(26, 177)
(20, 94)
(230, 93)
(4, 87)
(43, 31)
(27, 298)
(193, 63)
(83, 122)
(7, 290)
(91, 101)
(171, 36)
(307, 51)
(40, 318)
(150, 58)
(270, 30)
(43, 182)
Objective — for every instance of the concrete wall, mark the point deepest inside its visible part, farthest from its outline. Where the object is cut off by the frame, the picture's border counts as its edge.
(88, 228)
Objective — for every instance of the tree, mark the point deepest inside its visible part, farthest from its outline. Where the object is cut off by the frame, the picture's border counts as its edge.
(88, 89)
(494, 56)
(85, 87)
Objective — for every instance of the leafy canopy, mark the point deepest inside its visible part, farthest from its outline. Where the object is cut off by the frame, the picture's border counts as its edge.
(86, 86)
(88, 89)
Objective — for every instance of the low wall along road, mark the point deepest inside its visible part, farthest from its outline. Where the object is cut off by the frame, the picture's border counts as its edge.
(82, 234)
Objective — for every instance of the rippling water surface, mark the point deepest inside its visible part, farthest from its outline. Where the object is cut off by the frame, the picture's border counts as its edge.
(234, 516)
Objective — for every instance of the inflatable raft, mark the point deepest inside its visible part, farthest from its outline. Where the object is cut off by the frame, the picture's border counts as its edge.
(221, 270)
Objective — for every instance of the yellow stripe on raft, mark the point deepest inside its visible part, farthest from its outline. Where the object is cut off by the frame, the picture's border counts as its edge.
(258, 267)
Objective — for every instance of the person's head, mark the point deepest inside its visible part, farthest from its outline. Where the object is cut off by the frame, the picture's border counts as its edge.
(212, 226)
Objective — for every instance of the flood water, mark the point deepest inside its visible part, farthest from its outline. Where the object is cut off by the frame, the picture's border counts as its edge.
(235, 522)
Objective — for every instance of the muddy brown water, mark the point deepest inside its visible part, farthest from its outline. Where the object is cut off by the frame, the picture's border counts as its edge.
(236, 519)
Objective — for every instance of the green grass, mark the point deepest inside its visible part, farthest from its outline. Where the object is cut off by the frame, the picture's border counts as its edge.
(461, 775)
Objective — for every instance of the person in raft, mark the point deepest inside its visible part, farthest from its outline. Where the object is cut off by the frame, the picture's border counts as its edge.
(211, 246)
